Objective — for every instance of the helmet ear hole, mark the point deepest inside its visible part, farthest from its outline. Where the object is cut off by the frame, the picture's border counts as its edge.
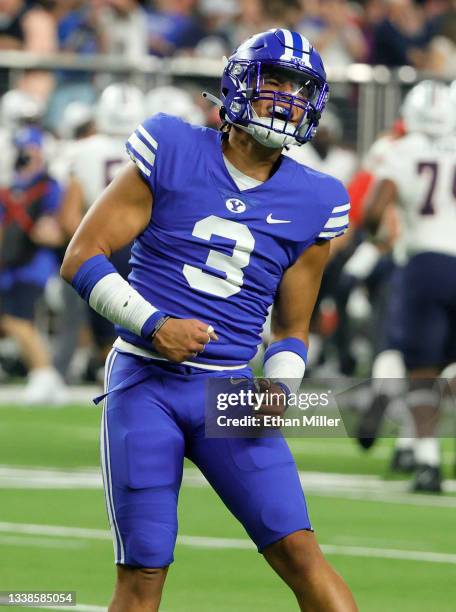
(258, 46)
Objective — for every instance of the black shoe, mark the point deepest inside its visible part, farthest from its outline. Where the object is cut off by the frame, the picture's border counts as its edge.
(403, 461)
(428, 479)
(371, 421)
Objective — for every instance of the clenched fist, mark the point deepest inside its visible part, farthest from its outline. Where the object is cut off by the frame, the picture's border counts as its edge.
(275, 399)
(181, 339)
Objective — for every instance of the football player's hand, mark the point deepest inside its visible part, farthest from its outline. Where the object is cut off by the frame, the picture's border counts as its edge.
(275, 400)
(182, 339)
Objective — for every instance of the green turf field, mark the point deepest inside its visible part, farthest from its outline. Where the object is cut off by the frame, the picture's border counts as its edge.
(397, 551)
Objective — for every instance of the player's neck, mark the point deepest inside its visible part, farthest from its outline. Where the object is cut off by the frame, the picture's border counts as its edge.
(248, 156)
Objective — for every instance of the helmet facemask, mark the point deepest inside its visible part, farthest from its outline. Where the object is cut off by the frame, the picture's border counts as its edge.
(292, 115)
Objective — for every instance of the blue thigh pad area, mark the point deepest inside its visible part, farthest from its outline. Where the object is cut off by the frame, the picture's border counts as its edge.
(144, 453)
(258, 481)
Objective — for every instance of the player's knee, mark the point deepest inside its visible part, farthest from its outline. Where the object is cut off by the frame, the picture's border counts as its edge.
(147, 579)
(151, 547)
(141, 584)
(299, 553)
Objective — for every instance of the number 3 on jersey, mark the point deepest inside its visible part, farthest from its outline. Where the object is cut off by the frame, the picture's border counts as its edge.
(230, 265)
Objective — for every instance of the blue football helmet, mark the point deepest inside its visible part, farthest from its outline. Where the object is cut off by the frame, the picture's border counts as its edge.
(257, 69)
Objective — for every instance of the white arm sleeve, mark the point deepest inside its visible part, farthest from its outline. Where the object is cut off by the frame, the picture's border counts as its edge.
(113, 298)
(288, 367)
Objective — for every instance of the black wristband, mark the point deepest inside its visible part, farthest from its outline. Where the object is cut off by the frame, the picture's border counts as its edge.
(159, 325)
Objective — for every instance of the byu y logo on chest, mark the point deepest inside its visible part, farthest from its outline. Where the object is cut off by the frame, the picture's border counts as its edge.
(236, 206)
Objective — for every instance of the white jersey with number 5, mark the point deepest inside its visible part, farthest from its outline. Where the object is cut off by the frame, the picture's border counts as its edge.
(424, 171)
(95, 161)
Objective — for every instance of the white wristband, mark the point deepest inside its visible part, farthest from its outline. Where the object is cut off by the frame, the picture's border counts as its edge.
(113, 298)
(288, 367)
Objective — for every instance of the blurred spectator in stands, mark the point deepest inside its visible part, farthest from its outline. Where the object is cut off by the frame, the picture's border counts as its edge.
(76, 27)
(216, 16)
(287, 13)
(443, 46)
(173, 26)
(29, 233)
(373, 14)
(28, 27)
(335, 33)
(122, 27)
(251, 19)
(78, 34)
(403, 37)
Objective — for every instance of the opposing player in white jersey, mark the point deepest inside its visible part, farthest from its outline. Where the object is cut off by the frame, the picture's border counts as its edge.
(325, 153)
(96, 160)
(420, 175)
(381, 261)
(177, 101)
(91, 164)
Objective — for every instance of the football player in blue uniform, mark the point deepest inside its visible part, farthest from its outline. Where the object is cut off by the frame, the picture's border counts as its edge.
(223, 226)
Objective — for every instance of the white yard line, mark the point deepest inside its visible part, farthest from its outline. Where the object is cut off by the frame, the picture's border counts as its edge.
(49, 478)
(388, 553)
(340, 486)
(55, 530)
(40, 542)
(233, 543)
(14, 395)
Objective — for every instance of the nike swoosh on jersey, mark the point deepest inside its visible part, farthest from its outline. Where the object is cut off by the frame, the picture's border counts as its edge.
(269, 219)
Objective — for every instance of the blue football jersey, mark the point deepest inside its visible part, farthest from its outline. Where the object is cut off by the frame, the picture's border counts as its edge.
(213, 252)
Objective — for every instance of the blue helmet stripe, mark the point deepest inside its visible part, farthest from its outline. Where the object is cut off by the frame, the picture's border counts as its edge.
(297, 44)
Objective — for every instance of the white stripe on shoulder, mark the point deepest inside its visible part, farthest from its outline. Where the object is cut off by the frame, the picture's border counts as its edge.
(342, 208)
(288, 37)
(139, 147)
(336, 222)
(150, 139)
(139, 163)
(331, 234)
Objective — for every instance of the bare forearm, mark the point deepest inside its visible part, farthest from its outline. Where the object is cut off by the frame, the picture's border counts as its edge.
(298, 293)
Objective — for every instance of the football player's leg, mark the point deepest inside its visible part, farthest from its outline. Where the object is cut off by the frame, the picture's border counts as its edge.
(17, 320)
(388, 363)
(298, 560)
(17, 312)
(258, 481)
(142, 451)
(424, 354)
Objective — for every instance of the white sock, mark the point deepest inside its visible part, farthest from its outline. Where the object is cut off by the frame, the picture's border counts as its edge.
(427, 451)
(405, 443)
